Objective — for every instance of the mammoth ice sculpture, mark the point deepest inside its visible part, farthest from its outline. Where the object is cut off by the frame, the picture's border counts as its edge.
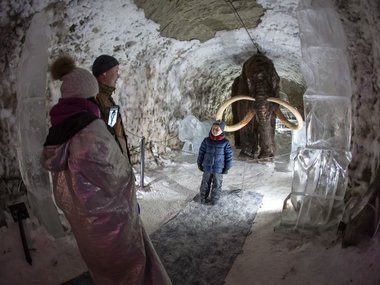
(256, 93)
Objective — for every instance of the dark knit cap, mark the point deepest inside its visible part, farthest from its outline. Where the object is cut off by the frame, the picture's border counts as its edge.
(103, 63)
(221, 124)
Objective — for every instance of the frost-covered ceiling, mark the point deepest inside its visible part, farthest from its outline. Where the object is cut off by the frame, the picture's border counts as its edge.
(200, 20)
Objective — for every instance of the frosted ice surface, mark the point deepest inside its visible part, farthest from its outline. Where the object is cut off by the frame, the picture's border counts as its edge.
(298, 141)
(318, 189)
(326, 70)
(321, 28)
(192, 132)
(323, 46)
(32, 128)
(320, 177)
(328, 122)
(31, 115)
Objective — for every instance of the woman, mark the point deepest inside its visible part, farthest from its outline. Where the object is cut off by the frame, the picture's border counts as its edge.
(94, 185)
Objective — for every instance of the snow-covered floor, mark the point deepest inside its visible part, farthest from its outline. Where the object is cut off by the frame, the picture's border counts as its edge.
(271, 255)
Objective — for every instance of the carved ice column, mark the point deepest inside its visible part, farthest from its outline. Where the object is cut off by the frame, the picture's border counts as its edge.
(319, 184)
(31, 117)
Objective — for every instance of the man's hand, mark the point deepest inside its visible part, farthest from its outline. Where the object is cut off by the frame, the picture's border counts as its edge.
(200, 168)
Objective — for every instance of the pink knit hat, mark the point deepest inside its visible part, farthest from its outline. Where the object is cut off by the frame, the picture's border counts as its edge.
(76, 82)
(79, 83)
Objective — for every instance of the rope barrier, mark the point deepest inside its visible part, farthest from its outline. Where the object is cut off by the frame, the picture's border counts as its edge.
(252, 159)
(189, 152)
(147, 142)
(150, 142)
(257, 160)
(245, 163)
(129, 132)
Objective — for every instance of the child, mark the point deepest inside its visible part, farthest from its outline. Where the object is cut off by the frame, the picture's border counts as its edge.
(214, 159)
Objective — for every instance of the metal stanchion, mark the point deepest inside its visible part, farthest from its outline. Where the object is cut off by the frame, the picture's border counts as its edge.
(142, 162)
(19, 213)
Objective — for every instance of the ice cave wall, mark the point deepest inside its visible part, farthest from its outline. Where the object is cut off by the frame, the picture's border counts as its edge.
(361, 21)
(168, 79)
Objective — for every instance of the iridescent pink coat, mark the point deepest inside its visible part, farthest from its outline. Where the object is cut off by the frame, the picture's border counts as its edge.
(94, 186)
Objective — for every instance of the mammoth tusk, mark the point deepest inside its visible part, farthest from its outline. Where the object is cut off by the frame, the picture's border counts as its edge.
(250, 114)
(242, 123)
(281, 116)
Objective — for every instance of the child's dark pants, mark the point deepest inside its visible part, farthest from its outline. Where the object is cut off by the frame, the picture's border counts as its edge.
(211, 185)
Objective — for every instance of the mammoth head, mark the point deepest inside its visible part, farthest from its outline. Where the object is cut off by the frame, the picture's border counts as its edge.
(260, 76)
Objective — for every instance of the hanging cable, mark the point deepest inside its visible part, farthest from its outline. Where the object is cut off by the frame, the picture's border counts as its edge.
(242, 22)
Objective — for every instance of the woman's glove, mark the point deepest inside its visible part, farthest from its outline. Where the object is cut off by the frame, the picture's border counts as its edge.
(200, 168)
(225, 171)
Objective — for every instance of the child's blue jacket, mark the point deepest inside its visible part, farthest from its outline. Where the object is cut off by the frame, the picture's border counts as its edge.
(215, 155)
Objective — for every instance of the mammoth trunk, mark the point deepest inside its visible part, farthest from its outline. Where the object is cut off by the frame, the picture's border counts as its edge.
(266, 122)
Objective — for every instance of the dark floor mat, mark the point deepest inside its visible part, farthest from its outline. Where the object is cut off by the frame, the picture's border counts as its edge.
(200, 244)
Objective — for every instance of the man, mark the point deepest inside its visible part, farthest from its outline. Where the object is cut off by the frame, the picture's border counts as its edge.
(106, 70)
